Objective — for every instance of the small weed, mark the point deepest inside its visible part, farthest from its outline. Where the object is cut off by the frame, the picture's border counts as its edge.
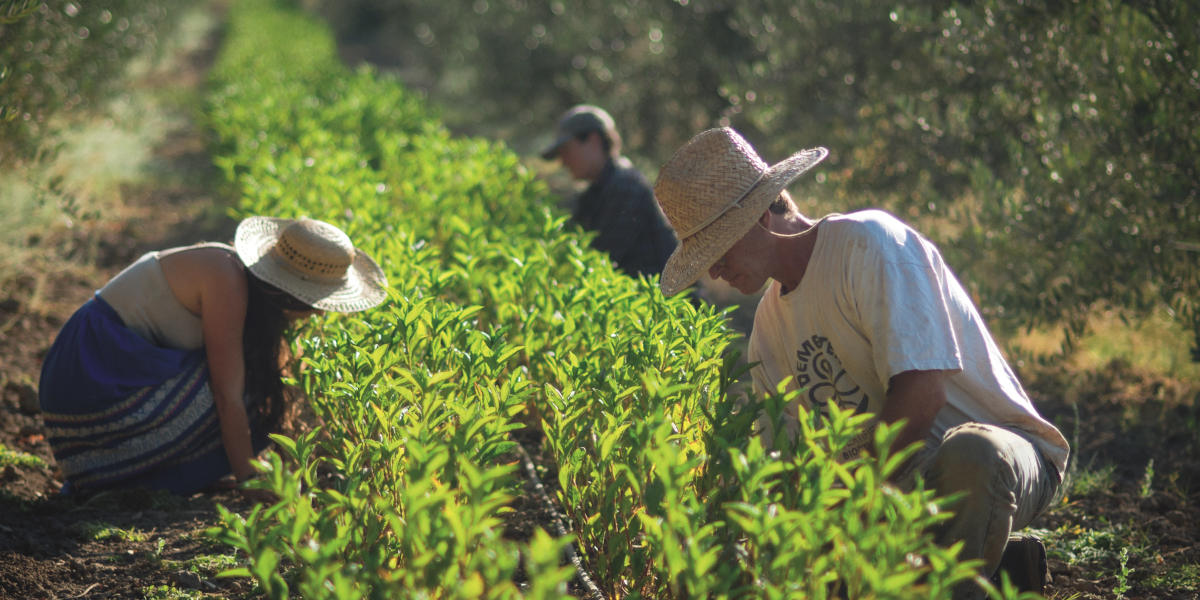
(169, 592)
(17, 458)
(96, 532)
(1099, 549)
(1123, 575)
(208, 565)
(1147, 480)
(1186, 578)
(156, 556)
(1091, 545)
(1084, 482)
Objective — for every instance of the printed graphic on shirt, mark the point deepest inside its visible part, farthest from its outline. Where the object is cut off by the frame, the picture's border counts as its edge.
(822, 378)
(820, 374)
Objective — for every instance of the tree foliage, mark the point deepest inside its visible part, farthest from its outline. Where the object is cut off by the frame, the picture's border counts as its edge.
(56, 57)
(1051, 146)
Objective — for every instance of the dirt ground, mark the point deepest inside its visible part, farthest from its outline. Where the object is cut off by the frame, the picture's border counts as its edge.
(1120, 422)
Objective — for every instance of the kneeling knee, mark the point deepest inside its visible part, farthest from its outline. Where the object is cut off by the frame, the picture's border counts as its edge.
(967, 453)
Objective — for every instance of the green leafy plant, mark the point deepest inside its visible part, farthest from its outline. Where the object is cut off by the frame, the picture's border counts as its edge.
(501, 320)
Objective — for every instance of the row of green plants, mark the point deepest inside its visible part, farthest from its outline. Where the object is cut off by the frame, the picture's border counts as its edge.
(500, 320)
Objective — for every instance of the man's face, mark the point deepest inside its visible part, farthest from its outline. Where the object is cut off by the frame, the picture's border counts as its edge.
(743, 266)
(583, 158)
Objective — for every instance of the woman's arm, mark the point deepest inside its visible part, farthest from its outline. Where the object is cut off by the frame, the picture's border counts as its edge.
(222, 294)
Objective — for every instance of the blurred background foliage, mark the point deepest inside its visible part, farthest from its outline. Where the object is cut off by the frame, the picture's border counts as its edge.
(77, 124)
(60, 58)
(1051, 147)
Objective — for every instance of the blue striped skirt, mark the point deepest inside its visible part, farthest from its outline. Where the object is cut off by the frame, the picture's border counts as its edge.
(121, 412)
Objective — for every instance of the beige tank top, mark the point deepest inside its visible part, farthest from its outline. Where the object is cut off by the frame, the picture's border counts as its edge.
(142, 297)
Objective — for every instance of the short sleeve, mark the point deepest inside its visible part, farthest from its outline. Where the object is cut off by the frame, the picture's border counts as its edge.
(901, 299)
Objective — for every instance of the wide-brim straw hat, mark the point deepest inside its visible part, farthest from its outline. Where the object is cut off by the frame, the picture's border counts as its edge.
(311, 260)
(712, 191)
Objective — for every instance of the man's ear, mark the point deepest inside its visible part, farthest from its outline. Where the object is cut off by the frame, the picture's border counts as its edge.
(764, 222)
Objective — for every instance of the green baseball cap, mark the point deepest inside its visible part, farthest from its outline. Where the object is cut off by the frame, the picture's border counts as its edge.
(580, 119)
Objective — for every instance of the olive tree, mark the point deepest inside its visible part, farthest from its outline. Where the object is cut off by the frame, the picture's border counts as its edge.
(1051, 147)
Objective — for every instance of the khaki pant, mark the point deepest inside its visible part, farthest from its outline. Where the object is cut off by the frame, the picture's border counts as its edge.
(1007, 483)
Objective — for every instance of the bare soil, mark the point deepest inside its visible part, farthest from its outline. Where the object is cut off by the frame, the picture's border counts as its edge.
(53, 546)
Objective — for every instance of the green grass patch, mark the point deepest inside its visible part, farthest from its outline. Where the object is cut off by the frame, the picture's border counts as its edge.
(1158, 344)
(169, 592)
(208, 565)
(1185, 578)
(1102, 551)
(1119, 550)
(1080, 545)
(1087, 481)
(16, 458)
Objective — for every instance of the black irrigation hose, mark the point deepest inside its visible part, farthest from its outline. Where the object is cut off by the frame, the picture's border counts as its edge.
(559, 529)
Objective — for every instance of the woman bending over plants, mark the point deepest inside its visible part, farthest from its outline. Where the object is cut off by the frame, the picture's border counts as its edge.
(169, 377)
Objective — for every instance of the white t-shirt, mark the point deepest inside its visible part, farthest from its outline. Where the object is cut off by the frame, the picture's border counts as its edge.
(877, 300)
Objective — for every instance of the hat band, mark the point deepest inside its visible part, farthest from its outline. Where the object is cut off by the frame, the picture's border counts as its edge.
(307, 267)
(709, 221)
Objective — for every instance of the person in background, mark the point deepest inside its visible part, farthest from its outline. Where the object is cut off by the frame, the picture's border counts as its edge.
(861, 309)
(618, 203)
(170, 376)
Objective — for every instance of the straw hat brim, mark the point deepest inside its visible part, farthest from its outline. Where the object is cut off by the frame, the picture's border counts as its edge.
(363, 287)
(695, 254)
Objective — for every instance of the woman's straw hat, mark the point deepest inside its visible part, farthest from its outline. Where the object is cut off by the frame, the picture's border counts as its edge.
(312, 260)
(712, 191)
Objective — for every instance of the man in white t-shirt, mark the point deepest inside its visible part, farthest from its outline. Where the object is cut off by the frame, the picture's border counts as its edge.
(861, 309)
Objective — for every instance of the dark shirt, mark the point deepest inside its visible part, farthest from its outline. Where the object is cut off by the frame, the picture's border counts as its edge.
(619, 206)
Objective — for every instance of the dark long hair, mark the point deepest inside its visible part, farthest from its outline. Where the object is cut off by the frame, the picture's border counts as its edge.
(265, 351)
